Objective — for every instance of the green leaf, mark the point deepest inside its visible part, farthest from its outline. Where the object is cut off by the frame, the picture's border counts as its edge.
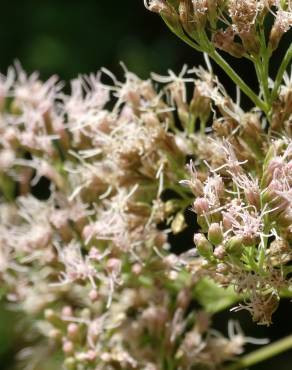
(214, 298)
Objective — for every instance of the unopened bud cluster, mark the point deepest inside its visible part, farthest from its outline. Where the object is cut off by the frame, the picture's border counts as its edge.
(246, 223)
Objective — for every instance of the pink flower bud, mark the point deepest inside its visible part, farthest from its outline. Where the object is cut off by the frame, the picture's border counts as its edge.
(72, 330)
(219, 252)
(91, 355)
(136, 269)
(113, 266)
(221, 268)
(201, 206)
(67, 311)
(93, 295)
(68, 347)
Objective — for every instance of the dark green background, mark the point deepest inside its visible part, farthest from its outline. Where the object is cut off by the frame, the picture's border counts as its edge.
(72, 37)
(80, 36)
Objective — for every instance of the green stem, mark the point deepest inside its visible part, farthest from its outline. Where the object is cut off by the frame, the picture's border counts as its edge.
(179, 190)
(264, 65)
(256, 68)
(266, 61)
(178, 31)
(7, 187)
(238, 81)
(208, 48)
(191, 123)
(262, 354)
(285, 62)
(263, 78)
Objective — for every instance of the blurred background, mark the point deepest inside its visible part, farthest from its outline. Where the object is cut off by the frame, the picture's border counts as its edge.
(68, 38)
(72, 37)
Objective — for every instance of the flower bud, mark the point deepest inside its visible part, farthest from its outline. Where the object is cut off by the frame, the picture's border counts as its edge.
(215, 234)
(223, 126)
(67, 311)
(68, 347)
(182, 143)
(157, 6)
(93, 295)
(167, 12)
(51, 316)
(250, 41)
(70, 363)
(73, 331)
(222, 268)
(252, 133)
(200, 105)
(91, 355)
(85, 313)
(252, 196)
(272, 162)
(113, 266)
(234, 246)
(204, 248)
(220, 252)
(183, 113)
(171, 260)
(279, 247)
(281, 25)
(155, 318)
(277, 203)
(137, 269)
(186, 11)
(160, 239)
(224, 40)
(227, 221)
(201, 206)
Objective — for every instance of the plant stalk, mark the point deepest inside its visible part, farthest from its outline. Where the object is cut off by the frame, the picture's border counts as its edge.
(238, 81)
(285, 62)
(262, 354)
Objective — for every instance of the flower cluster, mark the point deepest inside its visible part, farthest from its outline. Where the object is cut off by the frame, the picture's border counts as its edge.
(246, 226)
(235, 26)
(90, 194)
(96, 185)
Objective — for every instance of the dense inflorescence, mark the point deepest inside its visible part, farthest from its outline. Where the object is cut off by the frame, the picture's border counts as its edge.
(96, 184)
(240, 174)
(92, 262)
(246, 225)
